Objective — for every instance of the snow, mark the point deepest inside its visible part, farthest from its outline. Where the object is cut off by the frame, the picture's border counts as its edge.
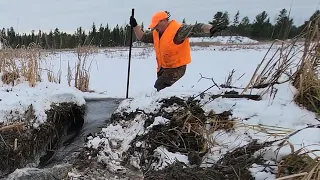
(167, 158)
(260, 172)
(109, 68)
(16, 100)
(281, 112)
(108, 79)
(159, 120)
(224, 39)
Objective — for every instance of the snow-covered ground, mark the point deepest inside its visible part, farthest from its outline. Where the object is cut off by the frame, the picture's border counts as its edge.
(15, 100)
(108, 77)
(212, 40)
(224, 39)
(109, 68)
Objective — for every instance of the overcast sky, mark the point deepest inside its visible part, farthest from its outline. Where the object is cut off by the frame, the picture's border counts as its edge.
(67, 15)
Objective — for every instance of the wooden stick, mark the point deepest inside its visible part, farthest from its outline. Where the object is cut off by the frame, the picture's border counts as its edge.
(292, 176)
(11, 126)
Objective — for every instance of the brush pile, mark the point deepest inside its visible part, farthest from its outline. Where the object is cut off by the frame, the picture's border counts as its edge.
(233, 165)
(169, 142)
(180, 131)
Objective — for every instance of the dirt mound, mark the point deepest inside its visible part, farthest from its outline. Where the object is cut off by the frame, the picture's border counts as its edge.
(22, 144)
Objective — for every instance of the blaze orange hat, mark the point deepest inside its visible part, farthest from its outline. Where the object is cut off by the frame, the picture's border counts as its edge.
(158, 16)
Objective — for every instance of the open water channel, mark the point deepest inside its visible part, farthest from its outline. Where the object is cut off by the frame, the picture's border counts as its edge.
(98, 112)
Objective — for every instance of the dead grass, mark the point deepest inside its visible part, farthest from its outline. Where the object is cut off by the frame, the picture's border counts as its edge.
(277, 67)
(292, 61)
(82, 68)
(298, 64)
(306, 79)
(22, 62)
(298, 165)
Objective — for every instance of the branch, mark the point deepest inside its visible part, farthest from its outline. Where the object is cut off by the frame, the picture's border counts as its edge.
(203, 77)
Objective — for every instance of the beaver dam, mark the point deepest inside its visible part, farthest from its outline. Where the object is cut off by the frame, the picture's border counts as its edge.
(173, 139)
(166, 138)
(54, 159)
(23, 145)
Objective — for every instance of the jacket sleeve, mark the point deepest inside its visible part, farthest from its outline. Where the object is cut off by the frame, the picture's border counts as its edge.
(147, 37)
(187, 31)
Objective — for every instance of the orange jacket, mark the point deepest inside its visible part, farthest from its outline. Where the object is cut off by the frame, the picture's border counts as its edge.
(169, 54)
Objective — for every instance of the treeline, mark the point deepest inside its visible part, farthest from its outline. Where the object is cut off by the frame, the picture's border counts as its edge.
(261, 28)
(103, 36)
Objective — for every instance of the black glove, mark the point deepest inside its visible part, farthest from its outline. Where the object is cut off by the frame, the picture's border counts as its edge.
(133, 22)
(217, 27)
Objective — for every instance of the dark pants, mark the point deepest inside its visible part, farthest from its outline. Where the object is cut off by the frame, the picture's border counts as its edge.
(168, 76)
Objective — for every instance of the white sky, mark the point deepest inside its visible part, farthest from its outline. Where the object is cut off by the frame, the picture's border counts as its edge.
(67, 15)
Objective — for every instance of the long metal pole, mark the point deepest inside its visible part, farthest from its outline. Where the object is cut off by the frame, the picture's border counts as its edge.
(129, 64)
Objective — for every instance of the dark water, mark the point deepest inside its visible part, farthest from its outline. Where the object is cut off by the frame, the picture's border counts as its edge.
(97, 115)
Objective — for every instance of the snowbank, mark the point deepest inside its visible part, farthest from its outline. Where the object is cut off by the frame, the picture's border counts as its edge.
(15, 100)
(224, 39)
(217, 39)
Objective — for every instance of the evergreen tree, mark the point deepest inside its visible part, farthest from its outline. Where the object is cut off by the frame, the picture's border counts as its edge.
(244, 27)
(93, 35)
(106, 37)
(50, 40)
(33, 38)
(221, 19)
(235, 23)
(283, 25)
(236, 19)
(100, 36)
(56, 39)
(261, 27)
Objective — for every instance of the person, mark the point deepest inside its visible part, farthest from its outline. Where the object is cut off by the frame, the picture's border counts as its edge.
(171, 43)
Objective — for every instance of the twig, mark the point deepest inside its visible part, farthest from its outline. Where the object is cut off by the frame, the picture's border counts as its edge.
(202, 92)
(292, 176)
(3, 141)
(202, 77)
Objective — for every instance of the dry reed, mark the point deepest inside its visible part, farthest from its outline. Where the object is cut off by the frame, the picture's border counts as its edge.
(297, 63)
(82, 68)
(306, 78)
(298, 165)
(22, 62)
